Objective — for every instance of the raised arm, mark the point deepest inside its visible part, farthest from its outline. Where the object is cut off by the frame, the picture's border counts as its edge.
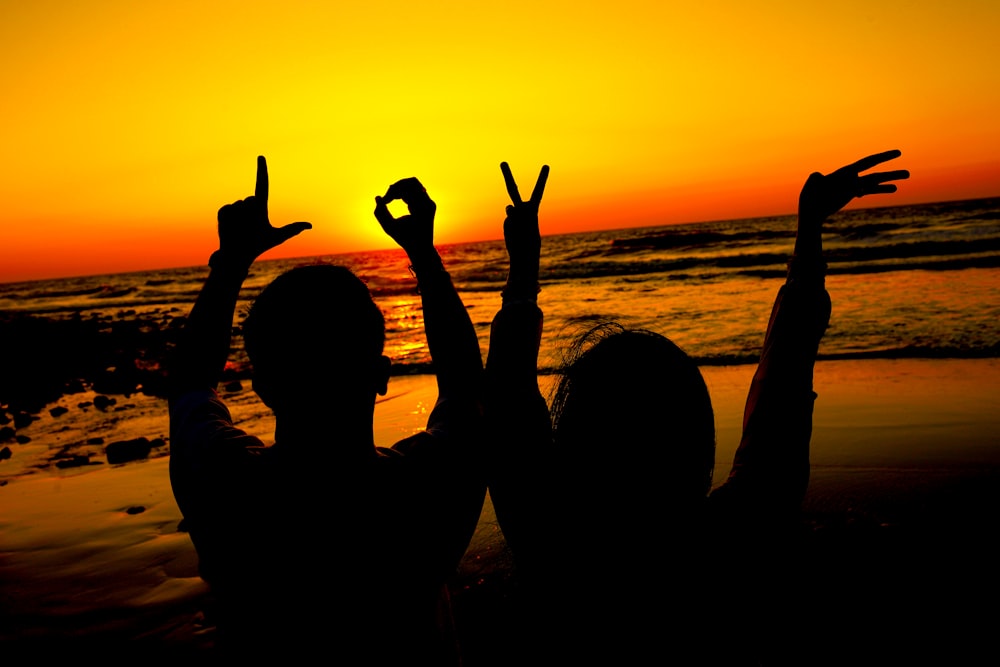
(451, 337)
(245, 233)
(771, 468)
(516, 333)
(203, 441)
(519, 449)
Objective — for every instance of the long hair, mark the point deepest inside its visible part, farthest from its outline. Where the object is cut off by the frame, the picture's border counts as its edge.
(630, 401)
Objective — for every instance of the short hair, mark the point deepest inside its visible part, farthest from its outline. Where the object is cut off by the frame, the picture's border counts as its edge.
(638, 386)
(310, 314)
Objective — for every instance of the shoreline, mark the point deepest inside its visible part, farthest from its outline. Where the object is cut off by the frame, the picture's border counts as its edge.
(905, 462)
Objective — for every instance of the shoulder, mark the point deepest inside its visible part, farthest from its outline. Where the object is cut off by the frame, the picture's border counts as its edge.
(201, 428)
(425, 445)
(447, 443)
(455, 420)
(184, 406)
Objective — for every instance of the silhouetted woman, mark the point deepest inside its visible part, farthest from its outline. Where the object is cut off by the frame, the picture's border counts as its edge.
(623, 551)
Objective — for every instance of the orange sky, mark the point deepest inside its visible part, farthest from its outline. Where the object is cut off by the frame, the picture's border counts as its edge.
(127, 125)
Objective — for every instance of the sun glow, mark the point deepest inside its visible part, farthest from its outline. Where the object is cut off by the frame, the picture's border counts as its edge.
(128, 125)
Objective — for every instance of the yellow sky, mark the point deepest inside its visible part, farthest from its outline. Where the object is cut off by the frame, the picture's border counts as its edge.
(128, 124)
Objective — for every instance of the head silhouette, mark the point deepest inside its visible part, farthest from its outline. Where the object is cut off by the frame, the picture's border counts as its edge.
(634, 415)
(314, 335)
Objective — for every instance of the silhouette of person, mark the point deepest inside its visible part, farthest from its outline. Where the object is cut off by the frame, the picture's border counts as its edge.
(323, 541)
(607, 508)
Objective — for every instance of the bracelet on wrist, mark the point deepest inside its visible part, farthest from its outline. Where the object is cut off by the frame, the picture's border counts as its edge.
(521, 293)
(220, 261)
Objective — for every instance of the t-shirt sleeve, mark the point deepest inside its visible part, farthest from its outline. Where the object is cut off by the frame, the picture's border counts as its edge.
(205, 446)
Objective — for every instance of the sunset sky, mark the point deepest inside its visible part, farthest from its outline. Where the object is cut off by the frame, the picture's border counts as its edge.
(126, 125)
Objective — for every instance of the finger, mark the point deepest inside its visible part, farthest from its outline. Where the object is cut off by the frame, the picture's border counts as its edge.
(867, 163)
(226, 212)
(403, 189)
(382, 213)
(536, 194)
(870, 183)
(261, 190)
(883, 176)
(881, 189)
(293, 229)
(508, 179)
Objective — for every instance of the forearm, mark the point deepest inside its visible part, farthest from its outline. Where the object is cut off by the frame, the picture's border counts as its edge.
(201, 353)
(522, 280)
(771, 465)
(519, 435)
(516, 332)
(809, 239)
(512, 361)
(451, 337)
(518, 419)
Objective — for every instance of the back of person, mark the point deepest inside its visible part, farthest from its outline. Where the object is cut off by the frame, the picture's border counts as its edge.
(347, 563)
(324, 544)
(622, 541)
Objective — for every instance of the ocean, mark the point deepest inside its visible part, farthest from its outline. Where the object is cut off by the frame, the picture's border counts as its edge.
(905, 281)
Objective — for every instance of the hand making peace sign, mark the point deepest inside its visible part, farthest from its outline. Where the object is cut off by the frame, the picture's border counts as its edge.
(520, 228)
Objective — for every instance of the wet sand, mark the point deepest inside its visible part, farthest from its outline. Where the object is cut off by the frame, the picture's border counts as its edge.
(899, 517)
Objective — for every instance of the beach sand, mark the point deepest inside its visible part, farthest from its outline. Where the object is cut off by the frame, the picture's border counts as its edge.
(900, 517)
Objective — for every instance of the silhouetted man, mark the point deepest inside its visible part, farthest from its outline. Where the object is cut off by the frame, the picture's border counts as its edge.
(323, 541)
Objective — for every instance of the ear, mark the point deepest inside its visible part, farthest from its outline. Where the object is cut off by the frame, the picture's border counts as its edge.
(381, 375)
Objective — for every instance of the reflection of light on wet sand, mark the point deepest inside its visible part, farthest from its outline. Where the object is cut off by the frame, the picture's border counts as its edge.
(882, 412)
(405, 408)
(907, 412)
(890, 437)
(71, 548)
(893, 438)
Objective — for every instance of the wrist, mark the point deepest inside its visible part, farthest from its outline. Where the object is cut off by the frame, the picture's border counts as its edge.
(224, 262)
(521, 287)
(425, 261)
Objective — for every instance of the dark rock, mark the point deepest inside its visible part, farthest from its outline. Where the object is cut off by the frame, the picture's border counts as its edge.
(233, 386)
(4, 419)
(95, 441)
(118, 380)
(156, 443)
(83, 405)
(7, 434)
(102, 402)
(112, 354)
(5, 453)
(58, 411)
(43, 354)
(135, 509)
(22, 419)
(123, 451)
(22, 439)
(73, 461)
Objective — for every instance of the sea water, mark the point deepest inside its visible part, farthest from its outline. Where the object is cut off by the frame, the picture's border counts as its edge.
(905, 281)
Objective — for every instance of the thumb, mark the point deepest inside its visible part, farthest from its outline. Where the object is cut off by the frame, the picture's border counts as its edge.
(382, 213)
(293, 229)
